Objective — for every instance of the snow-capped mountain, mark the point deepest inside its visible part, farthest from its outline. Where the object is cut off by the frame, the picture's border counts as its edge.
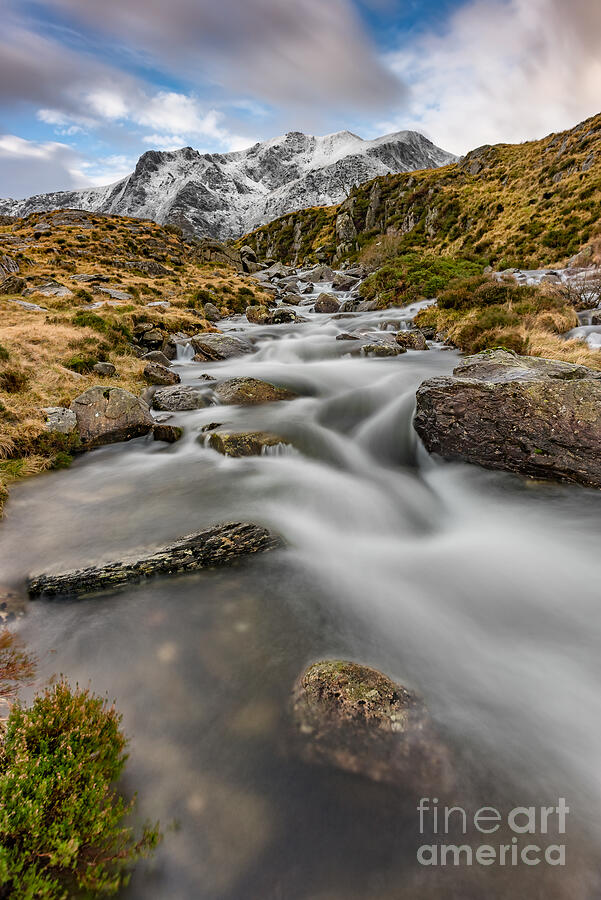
(226, 195)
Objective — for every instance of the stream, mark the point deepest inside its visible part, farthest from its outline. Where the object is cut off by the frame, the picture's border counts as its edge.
(478, 589)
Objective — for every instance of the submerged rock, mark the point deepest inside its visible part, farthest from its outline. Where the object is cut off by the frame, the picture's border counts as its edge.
(538, 417)
(357, 719)
(221, 545)
(109, 415)
(246, 443)
(383, 349)
(181, 398)
(210, 347)
(250, 391)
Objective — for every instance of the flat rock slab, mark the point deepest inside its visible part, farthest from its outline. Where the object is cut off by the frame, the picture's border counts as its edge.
(534, 416)
(221, 545)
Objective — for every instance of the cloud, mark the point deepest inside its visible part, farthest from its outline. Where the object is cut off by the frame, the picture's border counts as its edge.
(29, 167)
(503, 70)
(306, 53)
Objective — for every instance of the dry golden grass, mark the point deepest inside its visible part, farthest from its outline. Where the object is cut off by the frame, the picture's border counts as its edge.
(38, 348)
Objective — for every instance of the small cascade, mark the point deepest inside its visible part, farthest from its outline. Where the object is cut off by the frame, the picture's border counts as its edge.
(185, 352)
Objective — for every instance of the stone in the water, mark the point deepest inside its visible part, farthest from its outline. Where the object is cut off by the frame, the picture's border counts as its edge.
(106, 369)
(534, 416)
(344, 282)
(326, 303)
(318, 274)
(60, 420)
(258, 315)
(383, 349)
(155, 373)
(221, 545)
(345, 336)
(282, 316)
(411, 340)
(167, 433)
(210, 347)
(355, 718)
(109, 415)
(246, 443)
(250, 391)
(181, 398)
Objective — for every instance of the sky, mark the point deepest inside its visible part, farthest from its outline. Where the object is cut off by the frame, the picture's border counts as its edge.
(87, 86)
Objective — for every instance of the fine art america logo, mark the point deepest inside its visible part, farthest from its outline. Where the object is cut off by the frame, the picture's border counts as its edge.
(517, 827)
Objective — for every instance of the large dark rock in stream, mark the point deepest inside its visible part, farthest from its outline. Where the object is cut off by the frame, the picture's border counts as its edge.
(538, 417)
(244, 443)
(110, 415)
(355, 718)
(250, 391)
(221, 545)
(213, 347)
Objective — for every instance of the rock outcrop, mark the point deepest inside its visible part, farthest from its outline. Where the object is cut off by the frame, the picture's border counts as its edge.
(538, 417)
(221, 545)
(355, 718)
(245, 443)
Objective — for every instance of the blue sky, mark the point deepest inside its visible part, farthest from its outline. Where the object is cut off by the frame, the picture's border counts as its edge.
(86, 86)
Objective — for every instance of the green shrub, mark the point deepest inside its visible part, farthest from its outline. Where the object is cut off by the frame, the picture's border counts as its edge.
(61, 821)
(111, 327)
(414, 275)
(81, 364)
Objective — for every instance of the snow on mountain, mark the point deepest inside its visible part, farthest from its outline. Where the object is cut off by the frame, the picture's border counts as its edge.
(227, 195)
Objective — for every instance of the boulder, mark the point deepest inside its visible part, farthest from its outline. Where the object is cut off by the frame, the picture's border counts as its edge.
(221, 545)
(181, 398)
(382, 349)
(411, 340)
(168, 433)
(60, 420)
(355, 718)
(8, 266)
(327, 303)
(291, 299)
(211, 312)
(106, 369)
(344, 282)
(249, 392)
(258, 315)
(282, 316)
(211, 347)
(155, 373)
(318, 274)
(157, 356)
(109, 415)
(537, 417)
(247, 443)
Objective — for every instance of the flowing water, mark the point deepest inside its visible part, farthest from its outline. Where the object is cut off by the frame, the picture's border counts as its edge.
(477, 589)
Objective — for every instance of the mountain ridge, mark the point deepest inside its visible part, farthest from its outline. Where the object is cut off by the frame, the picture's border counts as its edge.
(226, 195)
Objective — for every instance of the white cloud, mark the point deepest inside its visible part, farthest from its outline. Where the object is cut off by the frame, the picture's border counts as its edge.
(503, 70)
(31, 167)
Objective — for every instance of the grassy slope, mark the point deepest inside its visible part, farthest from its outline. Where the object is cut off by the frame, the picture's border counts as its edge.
(42, 354)
(527, 204)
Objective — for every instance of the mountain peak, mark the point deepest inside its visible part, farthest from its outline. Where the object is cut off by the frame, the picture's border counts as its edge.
(226, 195)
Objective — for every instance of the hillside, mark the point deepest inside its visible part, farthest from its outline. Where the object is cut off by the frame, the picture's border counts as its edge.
(507, 205)
(77, 289)
(225, 195)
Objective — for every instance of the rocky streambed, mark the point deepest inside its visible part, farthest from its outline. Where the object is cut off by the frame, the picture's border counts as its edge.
(419, 628)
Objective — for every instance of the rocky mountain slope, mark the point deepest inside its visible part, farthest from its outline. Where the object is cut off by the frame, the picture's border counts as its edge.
(523, 205)
(226, 195)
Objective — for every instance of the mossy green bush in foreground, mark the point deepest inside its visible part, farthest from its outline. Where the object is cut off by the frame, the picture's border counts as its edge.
(62, 831)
